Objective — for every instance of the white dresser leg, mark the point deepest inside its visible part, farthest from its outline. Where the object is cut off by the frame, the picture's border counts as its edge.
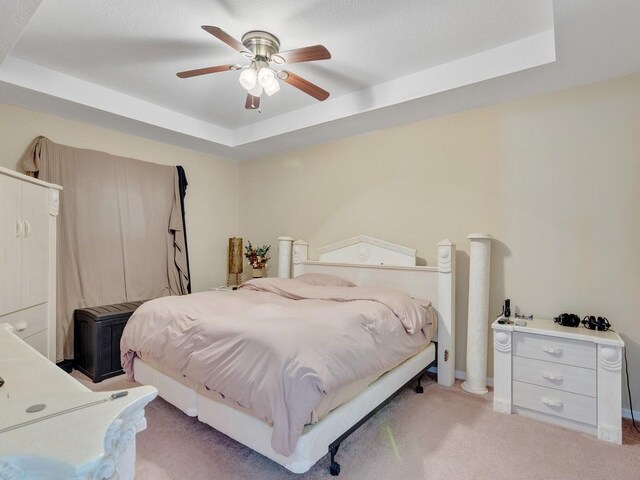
(609, 393)
(502, 371)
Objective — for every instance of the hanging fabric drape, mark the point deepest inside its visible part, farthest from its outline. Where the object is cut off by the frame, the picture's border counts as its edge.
(182, 187)
(120, 231)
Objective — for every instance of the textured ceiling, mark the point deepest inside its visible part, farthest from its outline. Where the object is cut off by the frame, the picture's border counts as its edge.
(113, 63)
(137, 47)
(14, 16)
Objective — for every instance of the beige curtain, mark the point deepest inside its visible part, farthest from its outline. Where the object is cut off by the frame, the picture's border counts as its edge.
(120, 230)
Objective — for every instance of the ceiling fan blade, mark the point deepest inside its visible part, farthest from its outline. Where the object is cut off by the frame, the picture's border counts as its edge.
(205, 71)
(306, 86)
(226, 38)
(252, 103)
(298, 55)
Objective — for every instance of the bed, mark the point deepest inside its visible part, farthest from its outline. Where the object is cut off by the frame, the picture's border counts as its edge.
(366, 262)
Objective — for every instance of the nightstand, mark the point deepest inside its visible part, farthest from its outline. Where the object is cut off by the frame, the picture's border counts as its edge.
(562, 375)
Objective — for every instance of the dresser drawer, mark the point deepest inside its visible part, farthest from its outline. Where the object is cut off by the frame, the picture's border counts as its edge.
(555, 375)
(555, 402)
(29, 321)
(555, 349)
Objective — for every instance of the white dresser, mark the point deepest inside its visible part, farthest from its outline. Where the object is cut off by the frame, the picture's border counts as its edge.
(52, 427)
(563, 375)
(28, 211)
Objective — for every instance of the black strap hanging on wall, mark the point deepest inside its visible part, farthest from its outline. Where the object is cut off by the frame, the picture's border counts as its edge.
(182, 185)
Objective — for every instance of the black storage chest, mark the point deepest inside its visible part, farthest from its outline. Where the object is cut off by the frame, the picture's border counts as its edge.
(97, 332)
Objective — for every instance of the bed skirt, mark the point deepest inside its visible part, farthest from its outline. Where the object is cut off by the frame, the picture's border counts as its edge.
(256, 434)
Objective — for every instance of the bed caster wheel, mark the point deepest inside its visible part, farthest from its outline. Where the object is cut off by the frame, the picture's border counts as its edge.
(419, 389)
(334, 469)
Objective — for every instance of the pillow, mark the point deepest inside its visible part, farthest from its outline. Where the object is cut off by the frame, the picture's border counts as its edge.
(324, 280)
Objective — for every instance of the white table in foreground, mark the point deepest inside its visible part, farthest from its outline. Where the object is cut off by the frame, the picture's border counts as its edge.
(80, 434)
(567, 376)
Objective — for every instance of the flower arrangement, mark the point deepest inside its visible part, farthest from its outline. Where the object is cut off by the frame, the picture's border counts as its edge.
(257, 257)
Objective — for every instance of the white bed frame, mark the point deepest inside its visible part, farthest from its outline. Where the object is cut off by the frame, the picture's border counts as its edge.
(365, 261)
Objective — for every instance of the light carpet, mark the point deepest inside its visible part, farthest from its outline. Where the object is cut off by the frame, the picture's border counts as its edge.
(444, 433)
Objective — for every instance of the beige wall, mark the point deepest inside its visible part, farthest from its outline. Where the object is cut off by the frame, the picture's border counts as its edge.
(555, 178)
(211, 205)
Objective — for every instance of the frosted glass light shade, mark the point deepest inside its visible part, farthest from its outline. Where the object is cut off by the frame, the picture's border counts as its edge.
(256, 91)
(273, 87)
(248, 79)
(266, 77)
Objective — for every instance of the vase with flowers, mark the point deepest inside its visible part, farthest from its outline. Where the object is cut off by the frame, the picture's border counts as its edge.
(257, 257)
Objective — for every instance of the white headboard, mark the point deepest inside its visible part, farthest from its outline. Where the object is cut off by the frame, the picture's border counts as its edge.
(371, 262)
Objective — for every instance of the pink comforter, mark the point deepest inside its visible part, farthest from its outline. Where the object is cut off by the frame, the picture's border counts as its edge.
(276, 346)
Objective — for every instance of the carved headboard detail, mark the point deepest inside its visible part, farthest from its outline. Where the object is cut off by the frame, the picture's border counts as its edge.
(366, 250)
(368, 261)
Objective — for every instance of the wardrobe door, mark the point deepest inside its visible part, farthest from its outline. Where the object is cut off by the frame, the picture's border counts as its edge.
(10, 240)
(35, 244)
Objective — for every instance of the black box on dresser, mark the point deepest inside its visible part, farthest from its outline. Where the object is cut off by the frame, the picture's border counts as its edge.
(97, 332)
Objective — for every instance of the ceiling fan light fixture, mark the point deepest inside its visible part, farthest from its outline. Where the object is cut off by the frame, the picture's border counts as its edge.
(248, 79)
(256, 91)
(271, 88)
(266, 77)
(262, 74)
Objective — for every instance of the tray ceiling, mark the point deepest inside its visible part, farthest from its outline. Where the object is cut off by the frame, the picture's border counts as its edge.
(113, 63)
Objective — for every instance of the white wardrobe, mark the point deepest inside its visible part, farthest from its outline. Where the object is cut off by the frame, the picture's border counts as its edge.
(28, 211)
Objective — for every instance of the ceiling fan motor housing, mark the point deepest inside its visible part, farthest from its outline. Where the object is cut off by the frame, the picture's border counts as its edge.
(262, 44)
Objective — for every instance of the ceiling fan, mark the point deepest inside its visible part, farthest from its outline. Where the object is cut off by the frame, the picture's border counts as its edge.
(262, 74)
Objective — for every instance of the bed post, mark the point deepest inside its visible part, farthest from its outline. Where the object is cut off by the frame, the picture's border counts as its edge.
(447, 312)
(300, 254)
(284, 257)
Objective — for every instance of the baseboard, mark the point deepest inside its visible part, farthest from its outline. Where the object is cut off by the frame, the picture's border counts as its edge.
(460, 375)
(626, 413)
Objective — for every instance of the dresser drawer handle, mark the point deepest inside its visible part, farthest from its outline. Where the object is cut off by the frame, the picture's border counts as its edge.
(552, 350)
(554, 377)
(551, 402)
(27, 228)
(21, 326)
